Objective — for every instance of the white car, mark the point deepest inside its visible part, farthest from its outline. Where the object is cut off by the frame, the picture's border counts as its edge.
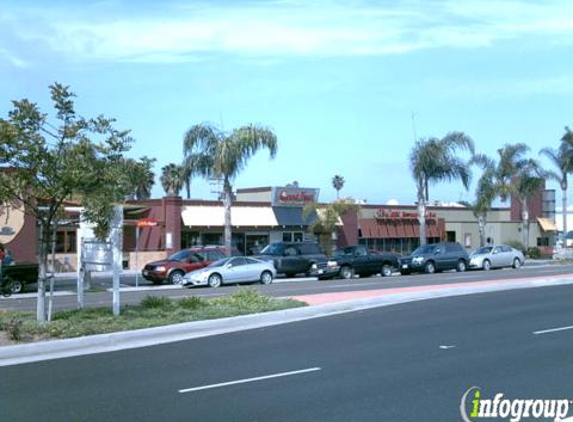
(232, 270)
(496, 256)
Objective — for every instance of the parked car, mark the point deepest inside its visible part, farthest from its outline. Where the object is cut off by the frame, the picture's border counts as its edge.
(232, 270)
(435, 257)
(496, 256)
(359, 260)
(15, 277)
(292, 258)
(177, 265)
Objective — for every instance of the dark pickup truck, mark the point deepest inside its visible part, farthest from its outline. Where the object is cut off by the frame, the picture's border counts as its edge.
(14, 277)
(359, 260)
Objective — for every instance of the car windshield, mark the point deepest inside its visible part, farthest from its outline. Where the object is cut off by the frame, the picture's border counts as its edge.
(425, 249)
(273, 249)
(484, 250)
(220, 262)
(179, 256)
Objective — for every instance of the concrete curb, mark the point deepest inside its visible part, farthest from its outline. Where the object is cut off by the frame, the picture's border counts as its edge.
(54, 349)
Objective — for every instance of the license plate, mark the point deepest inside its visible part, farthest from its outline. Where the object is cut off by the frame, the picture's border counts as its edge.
(404, 266)
(320, 271)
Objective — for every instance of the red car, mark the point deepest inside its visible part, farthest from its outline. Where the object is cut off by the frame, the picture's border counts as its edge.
(177, 265)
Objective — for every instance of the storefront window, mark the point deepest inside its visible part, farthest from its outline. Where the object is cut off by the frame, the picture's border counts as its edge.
(66, 241)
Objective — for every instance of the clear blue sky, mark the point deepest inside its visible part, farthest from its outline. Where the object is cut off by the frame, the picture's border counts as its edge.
(338, 81)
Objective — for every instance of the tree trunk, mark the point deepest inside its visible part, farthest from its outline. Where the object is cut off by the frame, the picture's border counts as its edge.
(481, 228)
(525, 223)
(564, 205)
(188, 188)
(422, 215)
(42, 271)
(227, 198)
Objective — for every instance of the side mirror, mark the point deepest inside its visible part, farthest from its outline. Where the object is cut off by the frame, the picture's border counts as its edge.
(229, 265)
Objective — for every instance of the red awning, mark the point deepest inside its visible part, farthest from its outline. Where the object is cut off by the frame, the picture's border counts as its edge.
(391, 229)
(409, 229)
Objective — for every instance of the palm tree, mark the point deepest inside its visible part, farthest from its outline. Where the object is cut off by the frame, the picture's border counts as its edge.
(521, 177)
(210, 152)
(141, 177)
(434, 160)
(338, 183)
(562, 159)
(172, 179)
(486, 192)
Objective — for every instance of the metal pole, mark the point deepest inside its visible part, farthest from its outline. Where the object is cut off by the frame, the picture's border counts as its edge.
(81, 275)
(136, 257)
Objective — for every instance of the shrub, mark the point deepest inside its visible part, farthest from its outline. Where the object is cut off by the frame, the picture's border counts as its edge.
(156, 302)
(14, 328)
(192, 302)
(517, 245)
(534, 253)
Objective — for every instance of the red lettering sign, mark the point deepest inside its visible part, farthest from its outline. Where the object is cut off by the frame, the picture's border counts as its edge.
(146, 222)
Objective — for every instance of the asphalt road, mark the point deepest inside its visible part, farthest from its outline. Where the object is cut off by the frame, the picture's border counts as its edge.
(410, 362)
(291, 287)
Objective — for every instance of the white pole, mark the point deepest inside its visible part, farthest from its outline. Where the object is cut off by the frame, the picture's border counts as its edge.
(136, 257)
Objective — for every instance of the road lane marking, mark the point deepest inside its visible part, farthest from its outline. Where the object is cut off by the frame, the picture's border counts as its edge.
(244, 381)
(553, 330)
(445, 347)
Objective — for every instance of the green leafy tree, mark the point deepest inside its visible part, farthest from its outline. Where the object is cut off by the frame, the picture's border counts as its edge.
(44, 163)
(435, 160)
(172, 179)
(338, 184)
(327, 217)
(212, 153)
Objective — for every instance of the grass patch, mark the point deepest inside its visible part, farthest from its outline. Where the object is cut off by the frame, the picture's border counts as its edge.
(153, 311)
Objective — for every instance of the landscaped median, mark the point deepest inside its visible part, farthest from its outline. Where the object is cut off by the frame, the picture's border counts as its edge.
(153, 311)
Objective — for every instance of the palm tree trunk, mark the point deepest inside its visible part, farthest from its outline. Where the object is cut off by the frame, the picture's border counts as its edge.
(525, 223)
(188, 188)
(42, 271)
(422, 215)
(481, 228)
(227, 198)
(564, 206)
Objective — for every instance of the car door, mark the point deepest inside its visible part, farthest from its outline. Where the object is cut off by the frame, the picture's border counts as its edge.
(236, 270)
(442, 258)
(497, 257)
(507, 255)
(291, 260)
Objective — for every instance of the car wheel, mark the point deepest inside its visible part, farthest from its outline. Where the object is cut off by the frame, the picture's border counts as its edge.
(516, 263)
(486, 265)
(386, 270)
(16, 287)
(215, 280)
(176, 278)
(266, 277)
(430, 268)
(461, 267)
(346, 272)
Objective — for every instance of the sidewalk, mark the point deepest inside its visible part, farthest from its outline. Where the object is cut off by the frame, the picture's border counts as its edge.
(322, 305)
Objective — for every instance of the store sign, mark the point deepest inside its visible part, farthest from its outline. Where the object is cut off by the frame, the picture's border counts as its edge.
(11, 221)
(392, 214)
(294, 196)
(146, 222)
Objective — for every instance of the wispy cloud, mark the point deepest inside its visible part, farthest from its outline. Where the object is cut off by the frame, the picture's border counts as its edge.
(180, 32)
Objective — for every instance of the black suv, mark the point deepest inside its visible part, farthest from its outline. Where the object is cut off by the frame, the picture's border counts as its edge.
(291, 258)
(435, 257)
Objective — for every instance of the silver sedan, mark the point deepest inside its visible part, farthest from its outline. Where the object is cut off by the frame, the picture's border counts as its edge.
(496, 256)
(232, 270)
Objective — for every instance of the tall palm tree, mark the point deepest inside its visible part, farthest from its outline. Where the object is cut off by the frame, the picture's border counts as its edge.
(563, 161)
(141, 177)
(434, 160)
(338, 183)
(521, 177)
(486, 192)
(210, 152)
(172, 179)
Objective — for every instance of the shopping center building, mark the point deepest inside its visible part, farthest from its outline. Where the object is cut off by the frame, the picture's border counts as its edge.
(272, 214)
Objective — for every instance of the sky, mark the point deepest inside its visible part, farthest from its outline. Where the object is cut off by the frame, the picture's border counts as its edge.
(347, 86)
